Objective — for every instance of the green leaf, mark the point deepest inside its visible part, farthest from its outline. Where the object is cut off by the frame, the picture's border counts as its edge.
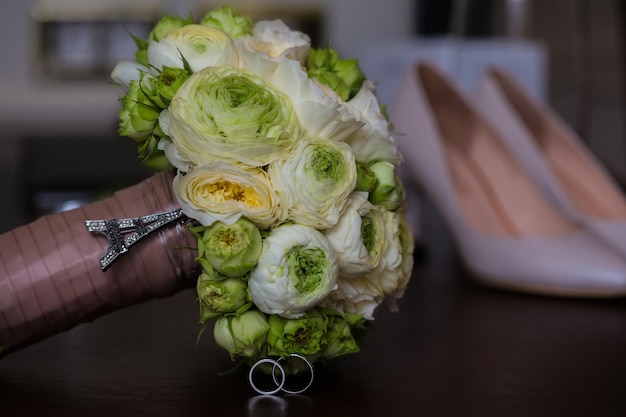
(202, 329)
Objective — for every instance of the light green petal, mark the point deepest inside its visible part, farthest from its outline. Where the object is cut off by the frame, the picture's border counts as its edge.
(234, 249)
(220, 296)
(243, 335)
(374, 141)
(359, 237)
(223, 113)
(316, 180)
(228, 19)
(303, 335)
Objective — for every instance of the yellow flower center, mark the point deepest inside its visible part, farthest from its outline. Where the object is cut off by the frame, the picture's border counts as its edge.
(222, 191)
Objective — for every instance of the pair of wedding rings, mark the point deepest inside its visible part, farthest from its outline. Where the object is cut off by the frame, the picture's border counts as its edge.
(279, 376)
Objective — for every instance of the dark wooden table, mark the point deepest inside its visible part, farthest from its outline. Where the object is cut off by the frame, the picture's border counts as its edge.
(454, 349)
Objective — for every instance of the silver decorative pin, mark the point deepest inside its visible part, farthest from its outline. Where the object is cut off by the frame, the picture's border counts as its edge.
(117, 232)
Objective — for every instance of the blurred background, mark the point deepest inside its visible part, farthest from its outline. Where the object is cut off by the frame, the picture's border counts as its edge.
(58, 110)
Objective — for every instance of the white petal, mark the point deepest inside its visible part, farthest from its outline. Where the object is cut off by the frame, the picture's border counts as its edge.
(126, 71)
(270, 285)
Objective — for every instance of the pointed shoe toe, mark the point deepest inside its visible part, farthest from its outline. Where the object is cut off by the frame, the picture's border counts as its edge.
(507, 233)
(574, 265)
(561, 165)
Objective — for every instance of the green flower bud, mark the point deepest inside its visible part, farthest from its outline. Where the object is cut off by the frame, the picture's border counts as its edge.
(389, 192)
(166, 24)
(342, 75)
(234, 249)
(304, 335)
(138, 115)
(164, 86)
(243, 335)
(151, 156)
(159, 30)
(366, 180)
(348, 70)
(229, 20)
(339, 340)
(219, 296)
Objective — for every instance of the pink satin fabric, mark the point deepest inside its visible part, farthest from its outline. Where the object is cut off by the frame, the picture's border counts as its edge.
(50, 275)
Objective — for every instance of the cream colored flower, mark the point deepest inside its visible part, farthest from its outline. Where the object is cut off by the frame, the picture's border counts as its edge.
(199, 46)
(394, 269)
(274, 39)
(315, 181)
(388, 281)
(126, 71)
(358, 237)
(225, 113)
(320, 111)
(355, 295)
(373, 141)
(402, 273)
(296, 270)
(225, 192)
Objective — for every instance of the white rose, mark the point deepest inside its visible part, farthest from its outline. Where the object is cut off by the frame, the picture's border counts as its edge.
(319, 109)
(358, 237)
(315, 181)
(373, 141)
(355, 295)
(126, 71)
(394, 270)
(296, 270)
(405, 269)
(275, 40)
(224, 192)
(200, 46)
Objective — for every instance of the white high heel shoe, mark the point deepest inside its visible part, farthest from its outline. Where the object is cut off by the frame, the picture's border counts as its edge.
(560, 164)
(507, 234)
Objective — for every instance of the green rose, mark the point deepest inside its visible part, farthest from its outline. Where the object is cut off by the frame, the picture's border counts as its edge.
(389, 192)
(166, 24)
(342, 75)
(339, 339)
(139, 121)
(303, 335)
(138, 115)
(219, 296)
(150, 154)
(159, 30)
(243, 335)
(366, 180)
(229, 20)
(232, 250)
(164, 86)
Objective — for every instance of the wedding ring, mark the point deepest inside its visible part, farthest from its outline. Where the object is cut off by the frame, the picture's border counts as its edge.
(279, 385)
(307, 385)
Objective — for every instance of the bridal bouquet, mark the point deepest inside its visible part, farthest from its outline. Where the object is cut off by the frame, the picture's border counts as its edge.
(285, 162)
(281, 159)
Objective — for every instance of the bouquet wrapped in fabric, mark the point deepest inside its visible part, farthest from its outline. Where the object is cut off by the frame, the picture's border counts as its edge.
(278, 197)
